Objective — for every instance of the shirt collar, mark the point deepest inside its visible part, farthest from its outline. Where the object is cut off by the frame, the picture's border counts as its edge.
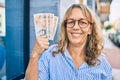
(67, 55)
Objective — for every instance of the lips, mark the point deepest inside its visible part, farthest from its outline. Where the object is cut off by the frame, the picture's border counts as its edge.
(76, 34)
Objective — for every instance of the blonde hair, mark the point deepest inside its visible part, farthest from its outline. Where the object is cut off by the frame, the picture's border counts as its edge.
(94, 43)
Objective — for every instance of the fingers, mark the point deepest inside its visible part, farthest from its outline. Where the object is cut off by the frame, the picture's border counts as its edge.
(43, 42)
(42, 39)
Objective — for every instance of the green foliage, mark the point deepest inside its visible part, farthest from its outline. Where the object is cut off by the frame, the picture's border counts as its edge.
(108, 27)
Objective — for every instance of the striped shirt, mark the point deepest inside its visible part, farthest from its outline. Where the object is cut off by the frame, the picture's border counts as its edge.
(61, 67)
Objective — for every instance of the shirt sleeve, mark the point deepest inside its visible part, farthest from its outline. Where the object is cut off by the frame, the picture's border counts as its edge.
(43, 72)
(109, 74)
(107, 69)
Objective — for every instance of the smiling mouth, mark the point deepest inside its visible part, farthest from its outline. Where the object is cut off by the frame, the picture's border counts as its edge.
(76, 34)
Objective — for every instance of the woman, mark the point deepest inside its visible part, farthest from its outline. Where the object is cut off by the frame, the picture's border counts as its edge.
(77, 56)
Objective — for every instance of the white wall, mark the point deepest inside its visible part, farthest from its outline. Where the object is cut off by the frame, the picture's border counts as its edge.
(114, 10)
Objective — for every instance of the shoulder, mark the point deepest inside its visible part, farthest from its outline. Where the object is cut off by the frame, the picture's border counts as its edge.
(104, 64)
(46, 57)
(48, 53)
(103, 59)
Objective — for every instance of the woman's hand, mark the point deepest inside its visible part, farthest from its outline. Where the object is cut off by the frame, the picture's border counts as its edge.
(41, 44)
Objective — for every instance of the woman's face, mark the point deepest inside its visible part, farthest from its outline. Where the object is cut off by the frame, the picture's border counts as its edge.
(78, 27)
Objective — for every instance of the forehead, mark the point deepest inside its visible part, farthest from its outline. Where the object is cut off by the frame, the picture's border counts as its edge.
(76, 13)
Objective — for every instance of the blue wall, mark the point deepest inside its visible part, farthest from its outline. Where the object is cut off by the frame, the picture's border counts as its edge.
(14, 38)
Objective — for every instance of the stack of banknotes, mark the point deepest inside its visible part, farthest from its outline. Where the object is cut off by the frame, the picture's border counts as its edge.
(45, 24)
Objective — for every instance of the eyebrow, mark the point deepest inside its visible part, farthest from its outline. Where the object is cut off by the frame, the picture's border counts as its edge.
(78, 19)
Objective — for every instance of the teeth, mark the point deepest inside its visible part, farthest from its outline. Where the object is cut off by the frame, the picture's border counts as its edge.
(76, 35)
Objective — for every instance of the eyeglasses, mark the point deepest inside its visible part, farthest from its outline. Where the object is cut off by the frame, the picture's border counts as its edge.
(83, 23)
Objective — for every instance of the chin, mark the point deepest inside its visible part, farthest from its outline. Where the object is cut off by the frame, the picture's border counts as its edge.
(75, 41)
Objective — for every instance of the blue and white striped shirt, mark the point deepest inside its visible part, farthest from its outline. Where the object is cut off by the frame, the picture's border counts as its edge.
(62, 68)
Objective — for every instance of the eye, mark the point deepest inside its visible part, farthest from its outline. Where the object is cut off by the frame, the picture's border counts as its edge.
(70, 21)
(83, 22)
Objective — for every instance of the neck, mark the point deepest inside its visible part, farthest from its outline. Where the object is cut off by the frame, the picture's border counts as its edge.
(76, 50)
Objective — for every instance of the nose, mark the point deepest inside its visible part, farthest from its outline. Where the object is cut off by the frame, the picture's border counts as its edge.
(76, 26)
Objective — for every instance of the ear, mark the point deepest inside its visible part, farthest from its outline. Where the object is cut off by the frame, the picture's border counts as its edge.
(90, 30)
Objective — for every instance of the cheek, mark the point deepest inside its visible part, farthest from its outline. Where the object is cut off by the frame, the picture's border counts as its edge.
(87, 30)
(68, 33)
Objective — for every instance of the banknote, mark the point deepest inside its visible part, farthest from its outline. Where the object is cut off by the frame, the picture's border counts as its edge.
(51, 18)
(40, 24)
(54, 26)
